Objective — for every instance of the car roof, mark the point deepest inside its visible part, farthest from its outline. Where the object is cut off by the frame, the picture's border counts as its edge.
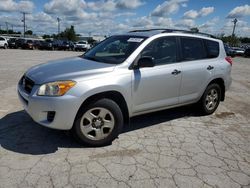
(152, 32)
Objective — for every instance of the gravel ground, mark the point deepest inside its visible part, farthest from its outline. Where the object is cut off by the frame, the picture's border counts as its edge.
(171, 148)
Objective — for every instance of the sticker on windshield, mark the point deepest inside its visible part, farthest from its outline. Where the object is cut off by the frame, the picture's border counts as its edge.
(135, 39)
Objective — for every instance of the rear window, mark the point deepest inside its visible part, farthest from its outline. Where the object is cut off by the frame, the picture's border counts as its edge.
(192, 49)
(212, 48)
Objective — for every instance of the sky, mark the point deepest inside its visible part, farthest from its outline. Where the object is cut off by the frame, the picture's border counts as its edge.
(107, 17)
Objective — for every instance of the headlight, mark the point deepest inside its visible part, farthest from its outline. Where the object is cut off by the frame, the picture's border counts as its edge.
(55, 88)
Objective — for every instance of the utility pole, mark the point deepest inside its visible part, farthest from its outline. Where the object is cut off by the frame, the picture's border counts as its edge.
(23, 20)
(234, 21)
(7, 28)
(58, 24)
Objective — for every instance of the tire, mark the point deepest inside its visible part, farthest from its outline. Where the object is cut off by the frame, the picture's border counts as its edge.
(98, 124)
(5, 46)
(210, 100)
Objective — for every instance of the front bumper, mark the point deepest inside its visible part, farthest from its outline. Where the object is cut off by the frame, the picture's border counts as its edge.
(38, 107)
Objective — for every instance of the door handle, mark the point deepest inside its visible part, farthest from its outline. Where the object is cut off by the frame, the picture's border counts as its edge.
(175, 72)
(210, 67)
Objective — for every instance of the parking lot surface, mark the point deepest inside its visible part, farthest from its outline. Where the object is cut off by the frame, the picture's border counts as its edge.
(171, 148)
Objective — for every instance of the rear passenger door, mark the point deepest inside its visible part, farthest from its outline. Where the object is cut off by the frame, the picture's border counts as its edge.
(197, 67)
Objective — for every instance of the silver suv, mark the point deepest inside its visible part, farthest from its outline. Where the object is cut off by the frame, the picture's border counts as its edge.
(126, 75)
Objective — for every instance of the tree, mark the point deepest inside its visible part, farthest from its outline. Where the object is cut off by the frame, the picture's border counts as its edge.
(91, 41)
(68, 33)
(29, 32)
(231, 40)
(45, 36)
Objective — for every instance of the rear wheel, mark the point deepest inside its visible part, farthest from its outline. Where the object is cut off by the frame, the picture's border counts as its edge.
(5, 46)
(210, 99)
(99, 123)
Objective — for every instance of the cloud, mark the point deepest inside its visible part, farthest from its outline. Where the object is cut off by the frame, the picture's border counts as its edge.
(125, 4)
(193, 14)
(164, 22)
(185, 23)
(239, 12)
(145, 22)
(206, 11)
(168, 7)
(209, 23)
(40, 17)
(63, 7)
(149, 22)
(112, 5)
(108, 5)
(12, 6)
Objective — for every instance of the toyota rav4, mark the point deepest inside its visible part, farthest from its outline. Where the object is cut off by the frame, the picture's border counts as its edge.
(126, 75)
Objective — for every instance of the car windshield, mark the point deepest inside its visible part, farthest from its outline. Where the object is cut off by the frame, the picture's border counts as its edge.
(114, 50)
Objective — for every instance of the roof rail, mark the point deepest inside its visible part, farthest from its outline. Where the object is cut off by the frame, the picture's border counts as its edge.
(186, 31)
(146, 30)
(174, 30)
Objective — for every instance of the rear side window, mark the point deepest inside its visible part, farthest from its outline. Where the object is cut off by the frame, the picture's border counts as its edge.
(212, 48)
(192, 49)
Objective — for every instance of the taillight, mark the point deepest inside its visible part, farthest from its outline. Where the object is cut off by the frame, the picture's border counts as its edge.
(229, 60)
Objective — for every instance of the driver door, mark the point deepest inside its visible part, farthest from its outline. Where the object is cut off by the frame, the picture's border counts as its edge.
(159, 86)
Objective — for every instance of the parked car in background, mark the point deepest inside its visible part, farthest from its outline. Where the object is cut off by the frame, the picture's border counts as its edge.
(3, 43)
(46, 45)
(12, 43)
(247, 52)
(66, 45)
(153, 70)
(239, 51)
(37, 44)
(20, 42)
(82, 46)
(229, 51)
(49, 44)
(28, 44)
(56, 44)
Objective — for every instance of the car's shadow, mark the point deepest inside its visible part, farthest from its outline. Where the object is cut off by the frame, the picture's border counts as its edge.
(19, 133)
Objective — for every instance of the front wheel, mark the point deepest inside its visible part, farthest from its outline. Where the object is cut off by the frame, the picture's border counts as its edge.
(5, 46)
(210, 100)
(99, 123)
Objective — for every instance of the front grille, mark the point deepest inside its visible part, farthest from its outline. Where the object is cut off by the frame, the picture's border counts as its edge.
(27, 84)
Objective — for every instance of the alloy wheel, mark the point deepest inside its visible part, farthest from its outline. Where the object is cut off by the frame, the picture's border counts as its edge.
(97, 123)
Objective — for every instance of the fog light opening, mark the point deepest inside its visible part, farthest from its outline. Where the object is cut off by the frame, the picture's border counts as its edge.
(51, 116)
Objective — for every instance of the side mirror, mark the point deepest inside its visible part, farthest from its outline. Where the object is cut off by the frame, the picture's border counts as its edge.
(146, 61)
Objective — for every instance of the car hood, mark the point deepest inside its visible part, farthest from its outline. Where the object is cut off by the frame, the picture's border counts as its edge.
(67, 69)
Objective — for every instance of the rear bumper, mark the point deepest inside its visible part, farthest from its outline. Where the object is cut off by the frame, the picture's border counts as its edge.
(65, 108)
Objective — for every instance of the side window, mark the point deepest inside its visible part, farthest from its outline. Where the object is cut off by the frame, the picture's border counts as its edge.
(192, 49)
(212, 48)
(1, 38)
(163, 50)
